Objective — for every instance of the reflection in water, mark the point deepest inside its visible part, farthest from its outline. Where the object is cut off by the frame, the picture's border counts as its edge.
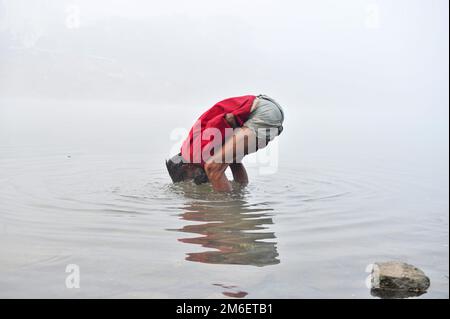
(231, 227)
(395, 294)
(232, 291)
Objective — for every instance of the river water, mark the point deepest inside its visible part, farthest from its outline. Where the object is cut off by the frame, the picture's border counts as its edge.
(84, 183)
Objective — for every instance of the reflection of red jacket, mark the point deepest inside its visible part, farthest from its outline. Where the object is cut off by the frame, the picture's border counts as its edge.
(194, 144)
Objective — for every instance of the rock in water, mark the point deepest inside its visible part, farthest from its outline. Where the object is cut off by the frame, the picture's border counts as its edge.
(398, 279)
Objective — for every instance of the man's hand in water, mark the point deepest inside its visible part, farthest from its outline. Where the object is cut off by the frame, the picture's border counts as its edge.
(239, 173)
(231, 120)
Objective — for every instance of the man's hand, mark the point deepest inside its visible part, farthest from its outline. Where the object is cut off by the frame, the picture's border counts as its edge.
(239, 173)
(231, 120)
(216, 166)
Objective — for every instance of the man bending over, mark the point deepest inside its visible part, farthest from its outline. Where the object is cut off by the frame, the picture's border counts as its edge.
(222, 136)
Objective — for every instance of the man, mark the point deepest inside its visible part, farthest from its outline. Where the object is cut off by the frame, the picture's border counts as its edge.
(221, 138)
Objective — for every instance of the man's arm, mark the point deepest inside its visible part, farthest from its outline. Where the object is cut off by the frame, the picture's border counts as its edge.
(239, 173)
(215, 167)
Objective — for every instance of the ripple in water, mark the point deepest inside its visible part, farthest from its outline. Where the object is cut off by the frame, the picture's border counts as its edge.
(233, 230)
(66, 206)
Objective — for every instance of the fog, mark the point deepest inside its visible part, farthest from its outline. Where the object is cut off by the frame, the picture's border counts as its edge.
(366, 54)
(92, 94)
(375, 72)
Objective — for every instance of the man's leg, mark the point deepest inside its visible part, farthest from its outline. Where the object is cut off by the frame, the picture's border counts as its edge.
(235, 148)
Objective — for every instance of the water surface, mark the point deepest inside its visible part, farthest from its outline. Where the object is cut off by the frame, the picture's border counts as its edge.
(84, 182)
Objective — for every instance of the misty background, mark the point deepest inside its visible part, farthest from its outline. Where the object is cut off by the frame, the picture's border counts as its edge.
(94, 95)
(366, 53)
(378, 60)
(355, 77)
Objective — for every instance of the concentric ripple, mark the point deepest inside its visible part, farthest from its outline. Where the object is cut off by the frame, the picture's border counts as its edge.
(127, 225)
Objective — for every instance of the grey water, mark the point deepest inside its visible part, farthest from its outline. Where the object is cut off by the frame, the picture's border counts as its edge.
(93, 191)
(96, 94)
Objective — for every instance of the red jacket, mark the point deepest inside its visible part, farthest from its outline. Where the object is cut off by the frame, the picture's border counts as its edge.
(194, 144)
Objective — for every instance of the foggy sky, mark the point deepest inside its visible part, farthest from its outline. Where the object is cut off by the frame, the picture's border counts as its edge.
(353, 53)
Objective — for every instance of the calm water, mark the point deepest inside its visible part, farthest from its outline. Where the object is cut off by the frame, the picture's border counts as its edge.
(84, 183)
